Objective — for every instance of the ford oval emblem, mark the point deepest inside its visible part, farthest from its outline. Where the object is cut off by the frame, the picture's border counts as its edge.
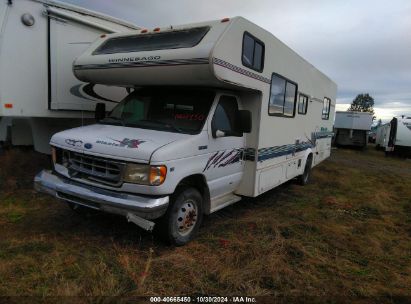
(88, 146)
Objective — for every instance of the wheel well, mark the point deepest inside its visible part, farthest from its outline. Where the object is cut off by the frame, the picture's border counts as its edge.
(198, 182)
(309, 156)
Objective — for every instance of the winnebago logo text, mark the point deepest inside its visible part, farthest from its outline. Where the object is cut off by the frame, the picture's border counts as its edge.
(133, 59)
(126, 142)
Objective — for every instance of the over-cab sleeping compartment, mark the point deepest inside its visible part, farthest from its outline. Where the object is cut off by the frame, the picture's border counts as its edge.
(172, 56)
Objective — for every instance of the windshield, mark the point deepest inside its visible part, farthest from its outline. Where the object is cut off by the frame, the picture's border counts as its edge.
(171, 110)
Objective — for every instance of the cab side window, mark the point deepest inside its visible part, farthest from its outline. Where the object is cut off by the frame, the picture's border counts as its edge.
(225, 116)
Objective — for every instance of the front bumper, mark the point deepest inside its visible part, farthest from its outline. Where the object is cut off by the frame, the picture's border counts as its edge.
(63, 188)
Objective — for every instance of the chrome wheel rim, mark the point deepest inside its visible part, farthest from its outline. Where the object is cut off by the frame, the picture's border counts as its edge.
(186, 217)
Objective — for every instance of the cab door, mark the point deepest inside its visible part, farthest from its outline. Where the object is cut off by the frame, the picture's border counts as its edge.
(225, 166)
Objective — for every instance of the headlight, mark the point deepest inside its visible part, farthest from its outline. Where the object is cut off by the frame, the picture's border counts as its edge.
(145, 175)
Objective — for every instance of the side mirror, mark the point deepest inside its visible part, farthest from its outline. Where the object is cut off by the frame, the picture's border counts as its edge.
(219, 133)
(100, 112)
(245, 121)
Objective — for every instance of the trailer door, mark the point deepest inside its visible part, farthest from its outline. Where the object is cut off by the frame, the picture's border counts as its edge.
(3, 11)
(393, 132)
(67, 40)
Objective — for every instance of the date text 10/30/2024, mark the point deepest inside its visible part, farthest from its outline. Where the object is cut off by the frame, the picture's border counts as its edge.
(203, 299)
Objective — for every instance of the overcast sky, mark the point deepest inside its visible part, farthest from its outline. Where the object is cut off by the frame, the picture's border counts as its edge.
(363, 45)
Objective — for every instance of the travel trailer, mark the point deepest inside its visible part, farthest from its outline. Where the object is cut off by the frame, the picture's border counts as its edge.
(381, 138)
(39, 94)
(218, 110)
(351, 128)
(395, 136)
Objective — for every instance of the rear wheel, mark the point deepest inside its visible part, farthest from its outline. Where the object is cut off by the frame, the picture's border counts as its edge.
(305, 177)
(184, 216)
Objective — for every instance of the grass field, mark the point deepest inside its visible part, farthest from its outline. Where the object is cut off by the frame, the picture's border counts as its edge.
(347, 233)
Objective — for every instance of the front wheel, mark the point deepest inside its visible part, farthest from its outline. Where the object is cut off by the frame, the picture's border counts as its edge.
(305, 177)
(184, 216)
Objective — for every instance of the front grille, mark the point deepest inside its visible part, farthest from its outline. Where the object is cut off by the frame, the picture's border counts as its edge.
(94, 168)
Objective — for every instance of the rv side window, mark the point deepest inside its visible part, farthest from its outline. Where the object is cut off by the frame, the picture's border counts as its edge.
(283, 96)
(253, 52)
(150, 42)
(302, 104)
(326, 108)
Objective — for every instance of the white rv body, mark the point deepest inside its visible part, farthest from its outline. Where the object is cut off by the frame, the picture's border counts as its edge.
(351, 128)
(381, 138)
(291, 122)
(39, 94)
(395, 136)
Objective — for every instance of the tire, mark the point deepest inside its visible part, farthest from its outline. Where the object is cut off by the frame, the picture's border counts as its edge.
(304, 179)
(184, 216)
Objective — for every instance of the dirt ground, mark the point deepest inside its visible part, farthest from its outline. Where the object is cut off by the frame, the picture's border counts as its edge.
(346, 234)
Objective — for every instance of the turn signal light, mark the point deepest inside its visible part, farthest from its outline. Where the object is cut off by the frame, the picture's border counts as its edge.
(225, 19)
(157, 29)
(53, 155)
(144, 31)
(157, 175)
(8, 105)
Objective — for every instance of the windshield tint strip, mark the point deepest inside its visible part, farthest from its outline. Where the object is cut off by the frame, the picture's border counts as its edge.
(174, 39)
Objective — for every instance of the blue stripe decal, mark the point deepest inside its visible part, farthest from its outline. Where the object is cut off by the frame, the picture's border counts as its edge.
(277, 151)
(272, 152)
(323, 134)
(147, 63)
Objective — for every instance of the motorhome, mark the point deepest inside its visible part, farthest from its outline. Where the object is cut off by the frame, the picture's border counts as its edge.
(351, 128)
(218, 110)
(39, 95)
(395, 136)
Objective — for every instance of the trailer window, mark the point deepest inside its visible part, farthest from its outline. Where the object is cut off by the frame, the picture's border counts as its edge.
(302, 104)
(326, 108)
(150, 42)
(283, 95)
(253, 52)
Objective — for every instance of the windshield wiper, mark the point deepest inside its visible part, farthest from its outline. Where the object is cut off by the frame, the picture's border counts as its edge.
(112, 121)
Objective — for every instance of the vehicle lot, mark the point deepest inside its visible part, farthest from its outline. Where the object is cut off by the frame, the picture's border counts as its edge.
(347, 233)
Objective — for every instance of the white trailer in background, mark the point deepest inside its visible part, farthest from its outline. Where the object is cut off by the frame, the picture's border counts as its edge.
(351, 128)
(219, 110)
(395, 136)
(39, 94)
(381, 136)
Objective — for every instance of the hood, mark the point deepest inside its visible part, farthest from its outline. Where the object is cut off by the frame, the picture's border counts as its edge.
(116, 142)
